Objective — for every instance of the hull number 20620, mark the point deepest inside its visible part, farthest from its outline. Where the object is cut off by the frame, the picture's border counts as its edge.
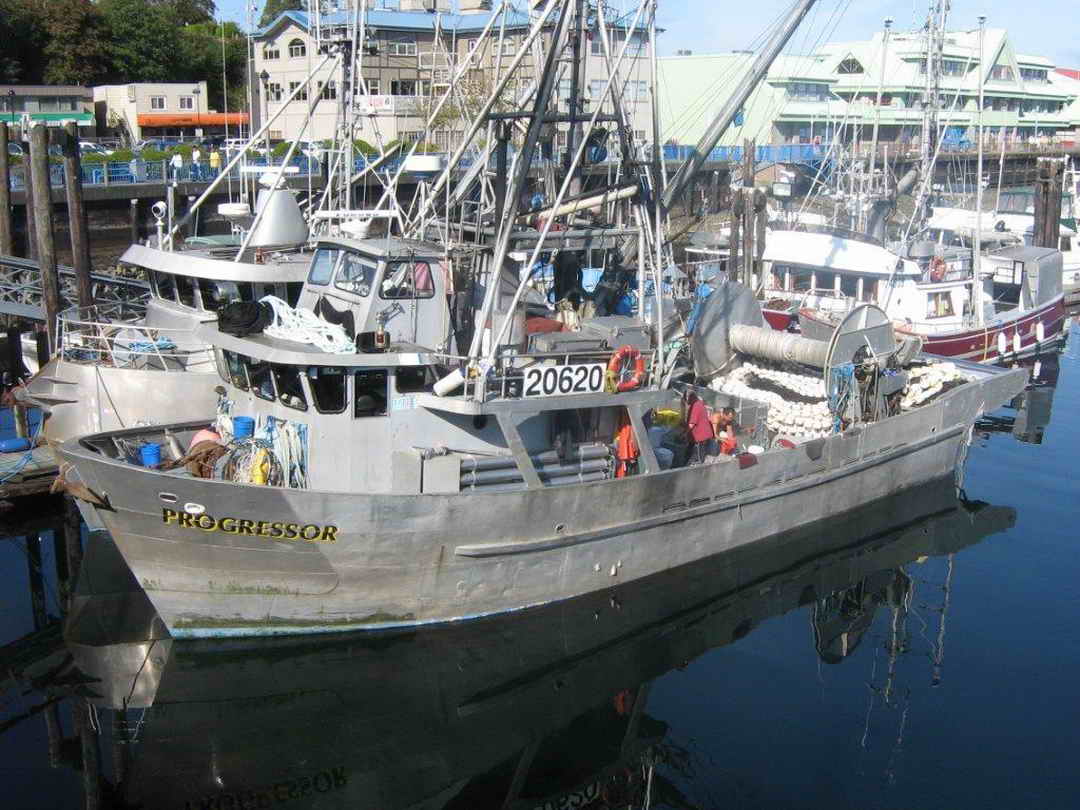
(547, 381)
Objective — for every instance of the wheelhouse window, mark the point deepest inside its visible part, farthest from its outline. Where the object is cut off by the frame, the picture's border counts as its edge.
(413, 379)
(322, 266)
(802, 280)
(407, 280)
(216, 294)
(185, 288)
(354, 275)
(1066, 244)
(939, 305)
(327, 388)
(235, 367)
(166, 285)
(258, 372)
(369, 398)
(290, 391)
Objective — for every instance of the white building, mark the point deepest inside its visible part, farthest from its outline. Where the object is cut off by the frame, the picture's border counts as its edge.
(149, 110)
(804, 99)
(409, 69)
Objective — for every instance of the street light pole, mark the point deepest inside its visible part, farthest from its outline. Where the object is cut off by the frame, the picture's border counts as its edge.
(265, 78)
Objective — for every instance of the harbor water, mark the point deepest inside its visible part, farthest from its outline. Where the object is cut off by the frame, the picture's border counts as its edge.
(919, 653)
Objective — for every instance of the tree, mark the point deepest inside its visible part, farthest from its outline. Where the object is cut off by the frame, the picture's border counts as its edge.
(274, 7)
(191, 11)
(23, 37)
(144, 41)
(74, 47)
(202, 59)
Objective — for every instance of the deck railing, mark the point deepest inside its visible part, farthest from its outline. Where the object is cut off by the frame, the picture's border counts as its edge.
(110, 335)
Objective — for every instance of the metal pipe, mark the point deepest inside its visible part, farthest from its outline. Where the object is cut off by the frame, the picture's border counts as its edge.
(484, 477)
(549, 457)
(568, 479)
(594, 201)
(759, 341)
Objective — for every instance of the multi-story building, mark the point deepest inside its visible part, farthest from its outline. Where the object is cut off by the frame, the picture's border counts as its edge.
(54, 104)
(148, 110)
(805, 99)
(409, 60)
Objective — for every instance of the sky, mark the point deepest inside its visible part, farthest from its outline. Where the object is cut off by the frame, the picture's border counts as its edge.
(709, 26)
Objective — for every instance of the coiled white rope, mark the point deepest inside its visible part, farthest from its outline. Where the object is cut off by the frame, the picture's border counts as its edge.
(304, 326)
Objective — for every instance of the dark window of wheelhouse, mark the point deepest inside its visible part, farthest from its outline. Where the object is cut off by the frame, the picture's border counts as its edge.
(407, 280)
(292, 292)
(849, 285)
(216, 294)
(166, 285)
(355, 275)
(370, 393)
(222, 365)
(322, 266)
(290, 391)
(327, 388)
(185, 287)
(258, 372)
(412, 379)
(236, 369)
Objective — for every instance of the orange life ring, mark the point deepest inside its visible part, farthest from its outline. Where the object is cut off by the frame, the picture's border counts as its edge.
(937, 269)
(619, 363)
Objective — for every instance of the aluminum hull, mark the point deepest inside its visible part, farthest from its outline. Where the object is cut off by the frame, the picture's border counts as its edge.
(398, 560)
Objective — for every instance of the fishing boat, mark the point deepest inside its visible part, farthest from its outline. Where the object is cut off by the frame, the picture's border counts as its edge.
(490, 713)
(423, 466)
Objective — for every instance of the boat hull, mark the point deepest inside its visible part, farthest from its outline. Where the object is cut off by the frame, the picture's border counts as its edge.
(977, 345)
(226, 569)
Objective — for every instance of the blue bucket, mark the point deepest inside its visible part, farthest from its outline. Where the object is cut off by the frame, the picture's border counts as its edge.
(14, 445)
(151, 454)
(243, 427)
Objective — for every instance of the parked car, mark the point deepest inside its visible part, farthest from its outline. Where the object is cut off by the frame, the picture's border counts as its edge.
(15, 149)
(151, 145)
(91, 148)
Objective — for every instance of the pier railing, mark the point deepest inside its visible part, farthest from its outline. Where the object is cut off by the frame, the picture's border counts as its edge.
(110, 335)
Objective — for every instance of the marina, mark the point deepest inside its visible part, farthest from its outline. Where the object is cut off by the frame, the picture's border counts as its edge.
(480, 444)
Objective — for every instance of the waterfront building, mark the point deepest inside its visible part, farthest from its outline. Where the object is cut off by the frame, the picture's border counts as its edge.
(806, 99)
(161, 110)
(56, 105)
(411, 58)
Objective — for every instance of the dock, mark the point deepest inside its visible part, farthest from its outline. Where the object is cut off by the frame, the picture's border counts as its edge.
(25, 472)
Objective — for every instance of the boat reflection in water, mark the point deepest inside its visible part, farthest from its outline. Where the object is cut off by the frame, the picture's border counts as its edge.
(1027, 416)
(543, 709)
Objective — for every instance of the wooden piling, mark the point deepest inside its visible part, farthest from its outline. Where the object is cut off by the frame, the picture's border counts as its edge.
(134, 220)
(7, 235)
(73, 548)
(76, 209)
(31, 251)
(39, 177)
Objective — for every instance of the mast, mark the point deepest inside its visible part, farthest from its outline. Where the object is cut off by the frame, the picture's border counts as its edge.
(976, 259)
(877, 108)
(692, 165)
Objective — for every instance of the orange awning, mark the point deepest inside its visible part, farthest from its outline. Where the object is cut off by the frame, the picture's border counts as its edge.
(192, 119)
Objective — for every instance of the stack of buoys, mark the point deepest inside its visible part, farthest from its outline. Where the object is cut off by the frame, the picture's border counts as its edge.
(802, 412)
(927, 381)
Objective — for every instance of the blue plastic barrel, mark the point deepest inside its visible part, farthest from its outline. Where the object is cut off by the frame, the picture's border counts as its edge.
(14, 445)
(243, 427)
(151, 454)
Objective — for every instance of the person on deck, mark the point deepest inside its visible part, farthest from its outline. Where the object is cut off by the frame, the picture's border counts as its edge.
(215, 163)
(723, 423)
(196, 164)
(701, 430)
(177, 164)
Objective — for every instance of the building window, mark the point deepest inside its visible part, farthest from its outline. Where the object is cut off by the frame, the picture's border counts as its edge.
(329, 90)
(271, 52)
(403, 87)
(302, 95)
(849, 66)
(596, 46)
(639, 135)
(373, 87)
(157, 102)
(402, 45)
(297, 49)
(187, 102)
(1001, 73)
(274, 91)
(1033, 75)
(596, 89)
(412, 136)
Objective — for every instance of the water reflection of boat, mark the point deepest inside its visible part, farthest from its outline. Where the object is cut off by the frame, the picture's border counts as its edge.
(1028, 414)
(543, 709)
